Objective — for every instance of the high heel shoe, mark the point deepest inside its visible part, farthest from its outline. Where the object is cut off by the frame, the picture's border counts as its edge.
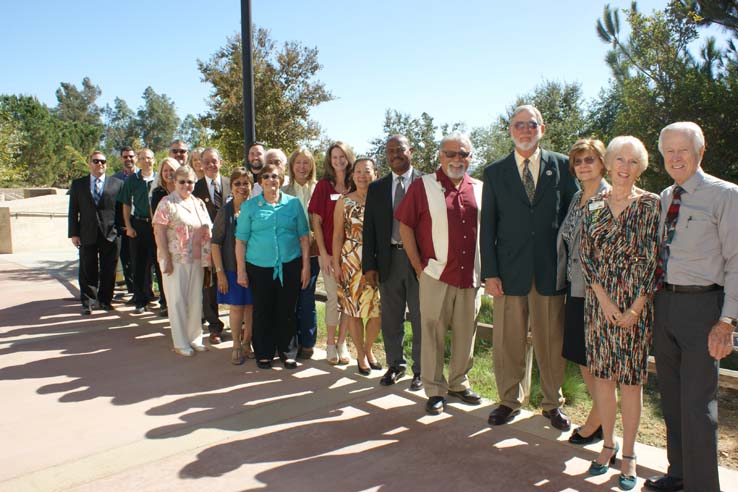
(579, 439)
(331, 355)
(362, 370)
(343, 354)
(627, 482)
(596, 468)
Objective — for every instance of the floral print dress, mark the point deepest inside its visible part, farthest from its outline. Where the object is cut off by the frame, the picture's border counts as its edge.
(188, 242)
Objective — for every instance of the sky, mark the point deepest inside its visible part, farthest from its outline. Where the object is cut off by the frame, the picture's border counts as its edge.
(462, 61)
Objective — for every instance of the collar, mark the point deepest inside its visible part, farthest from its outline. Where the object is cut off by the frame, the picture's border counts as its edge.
(407, 175)
(535, 158)
(694, 181)
(446, 182)
(93, 178)
(210, 181)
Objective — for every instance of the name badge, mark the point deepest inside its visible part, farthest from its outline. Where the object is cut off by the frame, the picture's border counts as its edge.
(335, 196)
(596, 205)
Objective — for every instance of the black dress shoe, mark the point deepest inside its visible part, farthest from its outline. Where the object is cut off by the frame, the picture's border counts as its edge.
(558, 419)
(501, 415)
(417, 383)
(392, 375)
(139, 310)
(264, 364)
(375, 366)
(665, 483)
(435, 405)
(467, 396)
(86, 310)
(364, 371)
(105, 306)
(577, 438)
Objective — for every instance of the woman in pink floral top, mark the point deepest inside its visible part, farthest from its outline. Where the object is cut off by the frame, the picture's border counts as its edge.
(182, 230)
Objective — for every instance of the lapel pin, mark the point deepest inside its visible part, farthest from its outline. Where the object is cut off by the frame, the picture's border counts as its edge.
(549, 173)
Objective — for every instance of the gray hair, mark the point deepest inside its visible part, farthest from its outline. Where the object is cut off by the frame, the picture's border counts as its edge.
(618, 143)
(692, 130)
(186, 171)
(457, 137)
(279, 153)
(212, 150)
(528, 108)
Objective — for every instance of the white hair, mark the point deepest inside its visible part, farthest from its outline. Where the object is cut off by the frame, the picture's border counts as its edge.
(528, 108)
(279, 153)
(692, 130)
(618, 143)
(457, 137)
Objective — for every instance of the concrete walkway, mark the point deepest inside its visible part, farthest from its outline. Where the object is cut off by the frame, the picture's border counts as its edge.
(102, 403)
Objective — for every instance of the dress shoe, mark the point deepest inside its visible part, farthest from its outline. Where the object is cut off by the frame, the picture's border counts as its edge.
(364, 371)
(214, 338)
(416, 384)
(392, 375)
(435, 405)
(186, 352)
(467, 396)
(105, 306)
(305, 353)
(375, 366)
(287, 362)
(501, 415)
(264, 364)
(86, 311)
(596, 468)
(577, 438)
(665, 483)
(139, 310)
(131, 301)
(558, 419)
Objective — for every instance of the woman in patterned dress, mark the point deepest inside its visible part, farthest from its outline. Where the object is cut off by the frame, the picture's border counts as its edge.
(619, 251)
(356, 298)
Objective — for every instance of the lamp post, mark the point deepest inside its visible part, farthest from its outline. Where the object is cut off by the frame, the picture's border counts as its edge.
(249, 127)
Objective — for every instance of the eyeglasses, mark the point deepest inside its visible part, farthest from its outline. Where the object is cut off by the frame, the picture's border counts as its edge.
(451, 154)
(525, 125)
(270, 176)
(99, 161)
(240, 183)
(586, 160)
(178, 151)
(185, 181)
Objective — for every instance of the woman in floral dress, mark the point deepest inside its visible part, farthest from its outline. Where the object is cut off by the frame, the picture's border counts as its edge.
(356, 298)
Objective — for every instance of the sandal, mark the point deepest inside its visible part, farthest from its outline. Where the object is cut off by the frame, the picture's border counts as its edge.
(343, 354)
(248, 352)
(331, 355)
(596, 468)
(237, 357)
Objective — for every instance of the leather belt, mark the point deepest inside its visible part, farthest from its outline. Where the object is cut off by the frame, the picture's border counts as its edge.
(691, 289)
(396, 246)
(142, 219)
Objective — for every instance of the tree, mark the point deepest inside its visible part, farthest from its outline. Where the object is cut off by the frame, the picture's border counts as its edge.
(78, 105)
(120, 126)
(421, 132)
(11, 140)
(285, 90)
(157, 120)
(192, 131)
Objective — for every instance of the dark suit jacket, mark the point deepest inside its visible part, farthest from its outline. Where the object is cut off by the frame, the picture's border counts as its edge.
(86, 219)
(517, 238)
(377, 235)
(201, 191)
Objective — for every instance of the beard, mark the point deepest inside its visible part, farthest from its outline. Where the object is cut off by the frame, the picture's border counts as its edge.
(526, 146)
(455, 170)
(256, 165)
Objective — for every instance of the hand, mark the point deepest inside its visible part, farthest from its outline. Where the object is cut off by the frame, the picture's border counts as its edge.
(610, 311)
(337, 272)
(305, 276)
(167, 267)
(222, 282)
(720, 340)
(205, 231)
(629, 318)
(418, 271)
(242, 279)
(372, 278)
(76, 241)
(326, 264)
(493, 287)
(130, 232)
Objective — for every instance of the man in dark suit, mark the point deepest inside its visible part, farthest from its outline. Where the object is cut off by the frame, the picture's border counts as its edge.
(385, 262)
(526, 196)
(93, 229)
(213, 189)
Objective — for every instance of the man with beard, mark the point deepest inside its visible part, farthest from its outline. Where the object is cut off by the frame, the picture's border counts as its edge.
(385, 262)
(255, 164)
(128, 158)
(526, 196)
(179, 152)
(439, 222)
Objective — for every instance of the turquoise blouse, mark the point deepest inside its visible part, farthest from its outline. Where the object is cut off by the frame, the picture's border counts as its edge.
(272, 232)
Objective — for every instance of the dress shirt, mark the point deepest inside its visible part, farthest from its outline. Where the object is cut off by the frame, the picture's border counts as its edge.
(211, 191)
(407, 179)
(534, 165)
(302, 193)
(704, 249)
(136, 193)
(92, 184)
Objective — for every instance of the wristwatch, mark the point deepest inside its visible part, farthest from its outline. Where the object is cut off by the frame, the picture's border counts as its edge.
(731, 321)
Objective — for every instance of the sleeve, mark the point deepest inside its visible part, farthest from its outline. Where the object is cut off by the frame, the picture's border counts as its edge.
(125, 195)
(728, 234)
(206, 217)
(409, 210)
(162, 216)
(303, 229)
(369, 234)
(243, 228)
(219, 226)
(649, 247)
(73, 228)
(319, 199)
(587, 249)
(488, 228)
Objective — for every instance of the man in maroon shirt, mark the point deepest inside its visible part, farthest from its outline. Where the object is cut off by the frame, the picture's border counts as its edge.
(439, 222)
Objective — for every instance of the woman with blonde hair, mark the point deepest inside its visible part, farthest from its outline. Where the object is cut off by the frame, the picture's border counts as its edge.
(196, 161)
(165, 185)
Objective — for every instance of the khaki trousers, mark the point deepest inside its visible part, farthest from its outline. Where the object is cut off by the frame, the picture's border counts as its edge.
(184, 287)
(331, 303)
(441, 306)
(512, 315)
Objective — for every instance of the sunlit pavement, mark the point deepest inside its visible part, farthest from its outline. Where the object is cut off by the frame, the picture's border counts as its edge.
(102, 403)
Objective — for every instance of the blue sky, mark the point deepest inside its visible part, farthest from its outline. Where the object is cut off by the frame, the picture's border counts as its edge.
(459, 61)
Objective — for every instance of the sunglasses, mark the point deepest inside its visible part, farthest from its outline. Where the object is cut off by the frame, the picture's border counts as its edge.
(185, 181)
(451, 154)
(270, 176)
(99, 161)
(522, 125)
(587, 160)
(240, 183)
(178, 151)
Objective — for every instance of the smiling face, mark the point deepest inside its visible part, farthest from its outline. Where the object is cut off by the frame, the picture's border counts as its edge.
(256, 158)
(241, 187)
(211, 163)
(271, 180)
(624, 166)
(526, 132)
(681, 159)
(399, 155)
(128, 157)
(184, 183)
(455, 157)
(178, 151)
(588, 166)
(167, 173)
(302, 168)
(339, 161)
(146, 161)
(98, 164)
(363, 174)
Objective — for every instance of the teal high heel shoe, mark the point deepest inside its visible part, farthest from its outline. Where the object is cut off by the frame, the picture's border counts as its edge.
(627, 482)
(598, 468)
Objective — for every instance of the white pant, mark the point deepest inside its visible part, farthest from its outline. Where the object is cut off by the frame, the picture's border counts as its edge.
(184, 301)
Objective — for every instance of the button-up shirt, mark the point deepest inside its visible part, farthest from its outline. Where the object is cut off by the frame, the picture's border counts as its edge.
(704, 249)
(136, 192)
(407, 178)
(534, 165)
(93, 180)
(211, 190)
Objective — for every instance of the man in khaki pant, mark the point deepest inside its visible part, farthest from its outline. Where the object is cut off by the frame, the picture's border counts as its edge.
(439, 219)
(526, 196)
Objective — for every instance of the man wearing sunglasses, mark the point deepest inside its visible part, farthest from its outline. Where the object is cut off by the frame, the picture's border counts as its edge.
(178, 151)
(128, 159)
(526, 196)
(92, 229)
(213, 189)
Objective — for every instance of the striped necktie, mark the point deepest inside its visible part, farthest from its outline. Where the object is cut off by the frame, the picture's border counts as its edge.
(528, 182)
(98, 191)
(672, 215)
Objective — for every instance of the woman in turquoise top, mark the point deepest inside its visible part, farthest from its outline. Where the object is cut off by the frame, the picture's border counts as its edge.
(273, 258)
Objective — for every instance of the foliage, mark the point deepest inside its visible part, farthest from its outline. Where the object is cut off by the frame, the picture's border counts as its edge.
(285, 90)
(192, 131)
(157, 120)
(11, 140)
(422, 134)
(78, 105)
(121, 127)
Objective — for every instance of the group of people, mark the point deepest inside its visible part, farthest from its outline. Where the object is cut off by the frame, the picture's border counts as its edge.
(574, 252)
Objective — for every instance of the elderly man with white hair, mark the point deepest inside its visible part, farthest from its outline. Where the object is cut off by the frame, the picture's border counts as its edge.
(696, 307)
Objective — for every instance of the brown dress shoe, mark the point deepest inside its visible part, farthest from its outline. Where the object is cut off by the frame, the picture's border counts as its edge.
(215, 338)
(501, 415)
(558, 419)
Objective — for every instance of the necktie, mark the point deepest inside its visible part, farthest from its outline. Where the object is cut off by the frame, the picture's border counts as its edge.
(528, 182)
(672, 215)
(217, 196)
(98, 191)
(399, 195)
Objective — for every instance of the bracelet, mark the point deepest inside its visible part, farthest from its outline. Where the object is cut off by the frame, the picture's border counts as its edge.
(634, 313)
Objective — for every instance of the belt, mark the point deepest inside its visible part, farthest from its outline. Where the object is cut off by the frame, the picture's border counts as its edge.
(396, 246)
(142, 219)
(691, 289)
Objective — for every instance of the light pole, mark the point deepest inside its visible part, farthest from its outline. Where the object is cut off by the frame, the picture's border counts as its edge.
(249, 127)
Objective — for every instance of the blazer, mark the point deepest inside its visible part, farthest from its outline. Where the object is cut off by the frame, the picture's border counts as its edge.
(87, 220)
(517, 237)
(202, 192)
(377, 234)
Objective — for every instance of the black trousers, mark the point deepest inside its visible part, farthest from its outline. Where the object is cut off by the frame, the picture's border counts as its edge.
(97, 264)
(210, 308)
(688, 383)
(142, 254)
(274, 307)
(124, 245)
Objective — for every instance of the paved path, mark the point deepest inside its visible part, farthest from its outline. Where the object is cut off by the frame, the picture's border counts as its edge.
(101, 403)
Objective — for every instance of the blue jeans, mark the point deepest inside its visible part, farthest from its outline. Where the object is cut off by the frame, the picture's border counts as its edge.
(306, 316)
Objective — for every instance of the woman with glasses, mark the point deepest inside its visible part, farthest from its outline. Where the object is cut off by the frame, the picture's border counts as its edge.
(301, 165)
(182, 231)
(165, 185)
(336, 182)
(272, 256)
(238, 298)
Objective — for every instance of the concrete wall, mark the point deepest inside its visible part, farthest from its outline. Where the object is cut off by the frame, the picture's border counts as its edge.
(34, 224)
